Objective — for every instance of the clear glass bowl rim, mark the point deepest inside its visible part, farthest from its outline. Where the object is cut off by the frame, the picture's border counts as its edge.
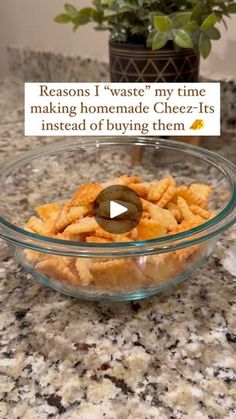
(224, 219)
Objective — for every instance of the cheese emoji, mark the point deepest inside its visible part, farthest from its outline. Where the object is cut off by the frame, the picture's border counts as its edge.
(197, 124)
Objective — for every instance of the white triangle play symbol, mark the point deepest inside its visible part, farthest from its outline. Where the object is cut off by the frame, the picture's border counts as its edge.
(116, 209)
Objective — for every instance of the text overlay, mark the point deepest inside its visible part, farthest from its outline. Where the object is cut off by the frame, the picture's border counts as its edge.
(79, 109)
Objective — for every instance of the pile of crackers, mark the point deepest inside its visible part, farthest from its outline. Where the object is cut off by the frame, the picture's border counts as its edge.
(168, 209)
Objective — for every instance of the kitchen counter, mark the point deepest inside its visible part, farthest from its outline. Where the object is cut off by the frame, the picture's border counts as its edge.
(171, 356)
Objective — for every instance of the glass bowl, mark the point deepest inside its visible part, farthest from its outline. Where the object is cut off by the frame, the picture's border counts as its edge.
(116, 271)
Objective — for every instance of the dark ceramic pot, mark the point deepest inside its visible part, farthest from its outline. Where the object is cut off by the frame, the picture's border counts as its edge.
(136, 63)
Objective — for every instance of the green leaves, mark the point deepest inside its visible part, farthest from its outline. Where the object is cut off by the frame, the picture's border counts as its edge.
(213, 33)
(204, 45)
(85, 16)
(162, 23)
(185, 23)
(191, 27)
(71, 13)
(185, 31)
(231, 8)
(207, 33)
(71, 10)
(62, 18)
(171, 28)
(108, 13)
(208, 22)
(182, 38)
(180, 19)
(198, 11)
(127, 7)
(159, 40)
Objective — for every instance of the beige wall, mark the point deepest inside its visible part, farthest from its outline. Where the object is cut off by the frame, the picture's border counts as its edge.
(222, 60)
(29, 23)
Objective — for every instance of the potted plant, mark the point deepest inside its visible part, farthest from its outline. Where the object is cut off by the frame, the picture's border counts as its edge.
(154, 40)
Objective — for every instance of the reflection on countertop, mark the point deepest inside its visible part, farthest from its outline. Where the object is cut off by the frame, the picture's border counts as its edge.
(171, 356)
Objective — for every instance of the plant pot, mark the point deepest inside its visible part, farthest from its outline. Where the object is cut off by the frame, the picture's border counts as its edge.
(136, 63)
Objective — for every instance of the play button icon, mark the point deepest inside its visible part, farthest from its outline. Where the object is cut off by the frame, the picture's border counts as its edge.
(117, 209)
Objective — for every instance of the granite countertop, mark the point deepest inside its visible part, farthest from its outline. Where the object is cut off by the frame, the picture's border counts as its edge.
(171, 356)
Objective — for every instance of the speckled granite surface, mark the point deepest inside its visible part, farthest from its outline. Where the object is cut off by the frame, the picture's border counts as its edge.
(167, 357)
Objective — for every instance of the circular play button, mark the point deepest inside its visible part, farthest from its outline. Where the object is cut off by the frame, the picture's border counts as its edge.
(117, 209)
